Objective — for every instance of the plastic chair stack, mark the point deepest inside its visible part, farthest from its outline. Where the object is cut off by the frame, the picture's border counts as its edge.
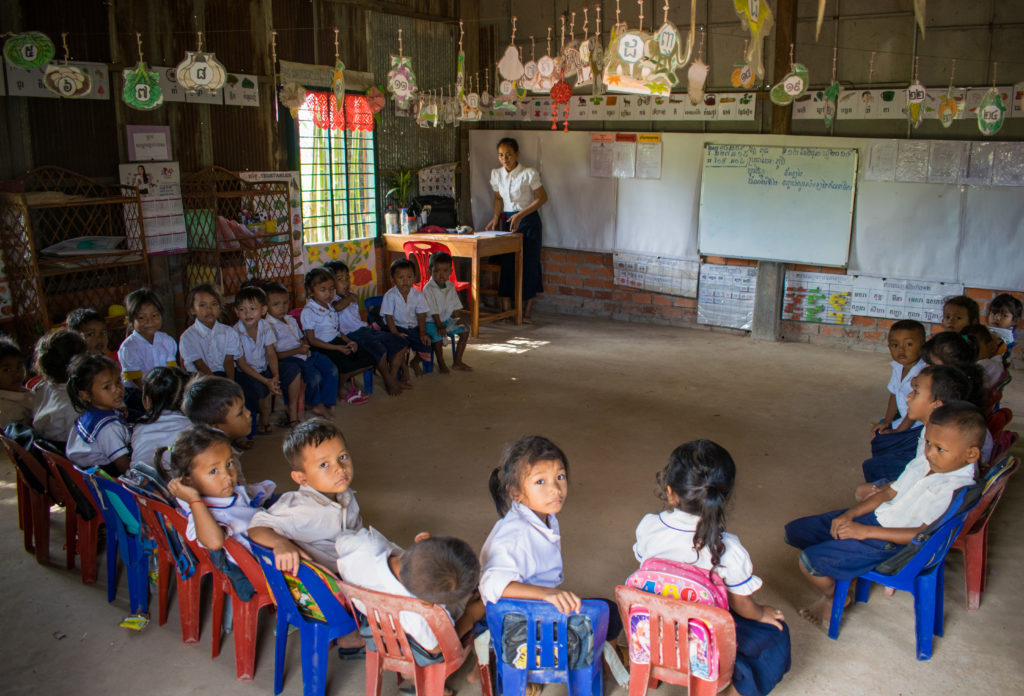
(319, 616)
(83, 530)
(420, 251)
(923, 576)
(392, 651)
(34, 500)
(547, 647)
(669, 651)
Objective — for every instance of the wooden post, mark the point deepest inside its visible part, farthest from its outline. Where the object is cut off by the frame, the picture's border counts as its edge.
(785, 34)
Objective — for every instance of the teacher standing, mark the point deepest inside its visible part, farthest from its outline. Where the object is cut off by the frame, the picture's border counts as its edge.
(518, 194)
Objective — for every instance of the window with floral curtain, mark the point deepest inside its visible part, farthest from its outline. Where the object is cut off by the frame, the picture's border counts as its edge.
(336, 165)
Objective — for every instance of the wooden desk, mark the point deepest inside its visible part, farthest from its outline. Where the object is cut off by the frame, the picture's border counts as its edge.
(472, 247)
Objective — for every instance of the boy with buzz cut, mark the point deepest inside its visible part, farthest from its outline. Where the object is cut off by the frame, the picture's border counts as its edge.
(219, 402)
(844, 544)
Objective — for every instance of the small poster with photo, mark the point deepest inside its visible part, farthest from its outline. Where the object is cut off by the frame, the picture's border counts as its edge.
(163, 217)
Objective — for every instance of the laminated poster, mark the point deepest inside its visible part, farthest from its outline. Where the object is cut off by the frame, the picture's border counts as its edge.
(648, 156)
(163, 216)
(602, 154)
(624, 163)
(725, 295)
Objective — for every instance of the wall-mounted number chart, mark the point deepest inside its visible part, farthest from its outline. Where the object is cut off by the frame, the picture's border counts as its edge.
(823, 298)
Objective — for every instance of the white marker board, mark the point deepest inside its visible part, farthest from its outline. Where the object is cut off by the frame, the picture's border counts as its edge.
(792, 204)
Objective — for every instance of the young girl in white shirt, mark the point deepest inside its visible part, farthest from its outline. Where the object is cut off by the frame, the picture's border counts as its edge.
(53, 416)
(162, 393)
(208, 346)
(696, 483)
(101, 437)
(146, 346)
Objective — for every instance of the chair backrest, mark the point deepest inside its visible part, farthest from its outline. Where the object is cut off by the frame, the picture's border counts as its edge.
(998, 420)
(382, 612)
(1003, 444)
(244, 559)
(420, 251)
(168, 527)
(297, 315)
(995, 485)
(669, 627)
(72, 484)
(114, 498)
(33, 471)
(547, 632)
(293, 599)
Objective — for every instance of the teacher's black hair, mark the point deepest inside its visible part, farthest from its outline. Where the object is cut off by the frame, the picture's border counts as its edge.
(511, 142)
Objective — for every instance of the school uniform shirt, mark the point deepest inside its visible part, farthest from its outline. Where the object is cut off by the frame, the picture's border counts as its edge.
(899, 386)
(287, 334)
(441, 301)
(363, 561)
(211, 346)
(520, 548)
(1005, 335)
(994, 368)
(322, 321)
(98, 438)
(312, 520)
(986, 449)
(669, 535)
(515, 187)
(233, 513)
(404, 309)
(922, 496)
(53, 416)
(138, 356)
(348, 318)
(16, 407)
(147, 438)
(255, 349)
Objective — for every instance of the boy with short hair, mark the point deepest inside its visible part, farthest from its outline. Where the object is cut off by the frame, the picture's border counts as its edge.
(405, 311)
(257, 372)
(844, 544)
(444, 304)
(92, 326)
(386, 348)
(219, 402)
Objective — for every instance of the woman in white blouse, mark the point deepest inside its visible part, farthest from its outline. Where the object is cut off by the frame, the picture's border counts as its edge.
(518, 194)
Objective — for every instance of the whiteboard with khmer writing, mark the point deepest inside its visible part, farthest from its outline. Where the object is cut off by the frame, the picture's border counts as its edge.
(792, 204)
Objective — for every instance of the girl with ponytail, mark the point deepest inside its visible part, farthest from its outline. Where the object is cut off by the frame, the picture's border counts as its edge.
(696, 484)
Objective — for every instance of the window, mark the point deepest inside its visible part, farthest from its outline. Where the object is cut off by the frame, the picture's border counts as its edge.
(336, 166)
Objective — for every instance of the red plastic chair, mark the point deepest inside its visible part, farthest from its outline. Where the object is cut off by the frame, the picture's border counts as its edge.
(26, 493)
(188, 588)
(84, 533)
(245, 614)
(420, 251)
(1002, 444)
(392, 646)
(999, 419)
(670, 651)
(973, 538)
(35, 515)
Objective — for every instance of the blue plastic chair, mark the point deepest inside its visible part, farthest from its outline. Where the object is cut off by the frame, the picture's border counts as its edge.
(548, 656)
(125, 538)
(923, 575)
(321, 619)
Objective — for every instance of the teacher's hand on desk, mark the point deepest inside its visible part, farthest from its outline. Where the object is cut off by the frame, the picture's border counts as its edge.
(492, 224)
(513, 222)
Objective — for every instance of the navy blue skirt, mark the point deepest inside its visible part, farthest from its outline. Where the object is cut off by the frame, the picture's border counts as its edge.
(530, 229)
(762, 656)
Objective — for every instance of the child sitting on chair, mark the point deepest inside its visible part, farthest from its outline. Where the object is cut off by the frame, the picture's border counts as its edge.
(989, 360)
(444, 304)
(845, 544)
(101, 437)
(53, 416)
(387, 349)
(1003, 316)
(406, 313)
(208, 346)
(436, 570)
(92, 326)
(15, 399)
(219, 402)
(162, 392)
(257, 372)
(958, 312)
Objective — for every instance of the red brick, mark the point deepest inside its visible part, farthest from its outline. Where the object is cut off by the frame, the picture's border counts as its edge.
(684, 302)
(605, 272)
(584, 292)
(587, 271)
(603, 283)
(602, 294)
(715, 259)
(978, 294)
(649, 309)
(564, 290)
(873, 336)
(554, 279)
(623, 296)
(642, 298)
(661, 300)
(885, 324)
(597, 259)
(574, 281)
(671, 312)
(555, 256)
(864, 321)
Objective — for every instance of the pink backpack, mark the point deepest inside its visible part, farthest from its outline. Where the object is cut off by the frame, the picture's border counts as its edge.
(689, 584)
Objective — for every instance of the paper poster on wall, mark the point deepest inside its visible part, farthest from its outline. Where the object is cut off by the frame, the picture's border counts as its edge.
(725, 295)
(163, 217)
(172, 91)
(438, 180)
(624, 163)
(149, 143)
(22, 82)
(893, 298)
(822, 298)
(660, 274)
(602, 155)
(241, 90)
(648, 156)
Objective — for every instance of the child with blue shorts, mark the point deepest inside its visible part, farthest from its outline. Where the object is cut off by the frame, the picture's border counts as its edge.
(444, 304)
(845, 544)
(405, 311)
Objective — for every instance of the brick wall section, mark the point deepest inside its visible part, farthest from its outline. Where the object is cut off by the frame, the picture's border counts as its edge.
(582, 282)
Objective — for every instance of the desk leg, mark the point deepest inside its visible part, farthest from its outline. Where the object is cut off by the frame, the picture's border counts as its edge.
(474, 289)
(519, 287)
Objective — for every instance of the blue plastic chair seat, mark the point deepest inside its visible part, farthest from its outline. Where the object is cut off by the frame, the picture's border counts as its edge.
(124, 538)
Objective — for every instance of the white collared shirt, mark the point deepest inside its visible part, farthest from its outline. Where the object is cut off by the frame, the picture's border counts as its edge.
(147, 438)
(255, 349)
(348, 318)
(899, 386)
(922, 496)
(53, 416)
(520, 548)
(233, 514)
(363, 561)
(138, 356)
(312, 520)
(515, 187)
(1005, 335)
(98, 438)
(287, 333)
(441, 301)
(322, 321)
(669, 535)
(404, 309)
(212, 346)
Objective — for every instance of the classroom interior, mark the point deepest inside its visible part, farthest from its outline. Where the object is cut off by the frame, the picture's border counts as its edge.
(617, 376)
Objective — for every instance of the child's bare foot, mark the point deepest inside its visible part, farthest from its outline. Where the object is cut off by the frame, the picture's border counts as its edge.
(461, 366)
(819, 612)
(443, 369)
(417, 366)
(890, 591)
(350, 641)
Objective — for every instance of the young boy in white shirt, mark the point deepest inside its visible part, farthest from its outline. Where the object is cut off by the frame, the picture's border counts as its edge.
(406, 311)
(444, 304)
(844, 544)
(257, 373)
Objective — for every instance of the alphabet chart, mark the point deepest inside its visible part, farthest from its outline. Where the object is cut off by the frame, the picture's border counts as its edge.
(725, 295)
(659, 274)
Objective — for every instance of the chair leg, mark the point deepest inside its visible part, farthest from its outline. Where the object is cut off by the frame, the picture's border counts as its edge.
(217, 615)
(374, 672)
(41, 527)
(112, 554)
(924, 613)
(25, 513)
(189, 592)
(838, 604)
(513, 681)
(88, 533)
(940, 593)
(164, 569)
(70, 536)
(280, 643)
(429, 681)
(315, 651)
(639, 678)
(246, 626)
(138, 585)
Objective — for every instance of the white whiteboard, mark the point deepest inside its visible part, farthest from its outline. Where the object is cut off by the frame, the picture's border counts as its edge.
(777, 203)
(992, 253)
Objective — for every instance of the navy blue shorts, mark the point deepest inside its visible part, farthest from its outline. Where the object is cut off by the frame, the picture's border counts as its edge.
(890, 454)
(842, 559)
(378, 343)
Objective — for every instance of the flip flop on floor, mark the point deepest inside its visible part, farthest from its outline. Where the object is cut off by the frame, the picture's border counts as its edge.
(356, 397)
(352, 653)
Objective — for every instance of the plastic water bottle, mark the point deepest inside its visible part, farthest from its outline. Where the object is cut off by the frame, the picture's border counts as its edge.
(405, 221)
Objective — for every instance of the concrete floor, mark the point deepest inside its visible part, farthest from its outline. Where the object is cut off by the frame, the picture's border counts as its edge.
(618, 398)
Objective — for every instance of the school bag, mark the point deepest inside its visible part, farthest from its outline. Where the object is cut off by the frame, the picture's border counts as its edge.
(690, 584)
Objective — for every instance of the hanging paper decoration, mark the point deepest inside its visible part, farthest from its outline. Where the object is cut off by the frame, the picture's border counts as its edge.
(570, 52)
(200, 72)
(32, 49)
(67, 80)
(460, 71)
(948, 107)
(669, 56)
(585, 70)
(485, 97)
(141, 85)
(792, 86)
(529, 79)
(293, 96)
(742, 73)
(629, 65)
(697, 75)
(561, 94)
(991, 112)
(427, 116)
(915, 99)
(375, 101)
(401, 79)
(831, 93)
(338, 76)
(821, 17)
(755, 17)
(546, 68)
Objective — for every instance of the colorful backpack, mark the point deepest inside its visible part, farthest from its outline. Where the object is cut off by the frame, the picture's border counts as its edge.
(689, 584)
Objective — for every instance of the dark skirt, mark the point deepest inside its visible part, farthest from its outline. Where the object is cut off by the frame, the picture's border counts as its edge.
(530, 229)
(840, 559)
(762, 656)
(348, 363)
(890, 454)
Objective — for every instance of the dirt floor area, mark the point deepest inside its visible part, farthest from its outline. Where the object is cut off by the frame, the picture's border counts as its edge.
(617, 398)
